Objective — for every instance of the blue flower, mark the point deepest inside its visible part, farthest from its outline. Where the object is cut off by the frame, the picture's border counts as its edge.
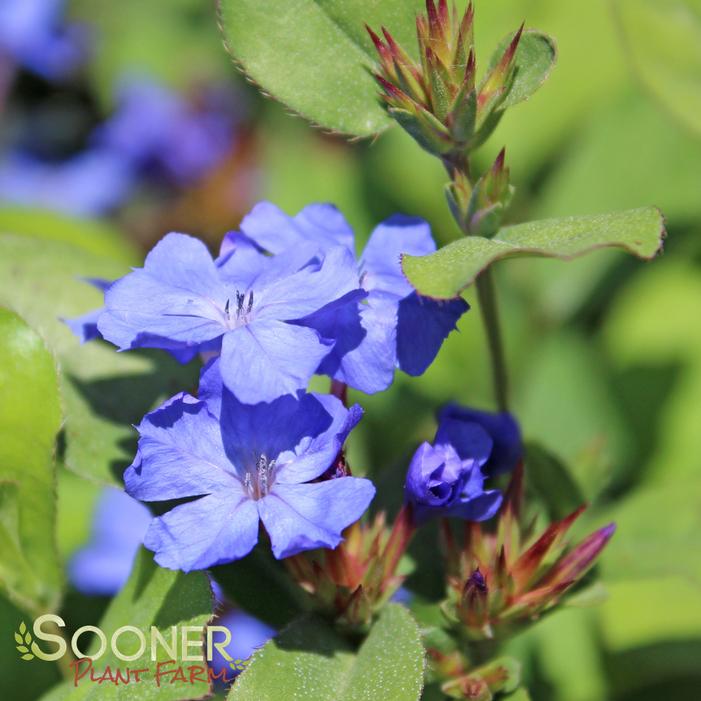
(92, 182)
(245, 463)
(157, 129)
(33, 33)
(447, 478)
(119, 526)
(248, 634)
(393, 327)
(502, 431)
(250, 304)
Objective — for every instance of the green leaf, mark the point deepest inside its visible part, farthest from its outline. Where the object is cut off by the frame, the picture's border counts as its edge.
(103, 391)
(535, 57)
(153, 596)
(30, 417)
(309, 661)
(450, 270)
(314, 55)
(649, 546)
(663, 39)
(261, 585)
(92, 236)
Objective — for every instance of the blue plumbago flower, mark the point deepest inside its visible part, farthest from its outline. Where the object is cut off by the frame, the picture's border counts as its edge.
(33, 34)
(248, 634)
(394, 326)
(250, 304)
(119, 526)
(158, 129)
(446, 479)
(92, 182)
(502, 431)
(246, 463)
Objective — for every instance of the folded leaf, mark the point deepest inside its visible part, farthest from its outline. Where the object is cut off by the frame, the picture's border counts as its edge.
(450, 270)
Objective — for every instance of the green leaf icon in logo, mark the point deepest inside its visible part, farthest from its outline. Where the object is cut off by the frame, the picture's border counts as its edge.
(23, 639)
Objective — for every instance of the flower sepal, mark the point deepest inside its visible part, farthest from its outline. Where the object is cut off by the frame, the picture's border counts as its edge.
(355, 580)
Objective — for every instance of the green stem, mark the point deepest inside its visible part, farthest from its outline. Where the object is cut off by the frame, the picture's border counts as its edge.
(486, 295)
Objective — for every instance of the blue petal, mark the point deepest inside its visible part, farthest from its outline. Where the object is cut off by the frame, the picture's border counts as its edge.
(104, 564)
(302, 517)
(478, 508)
(267, 359)
(85, 327)
(381, 259)
(248, 634)
(503, 429)
(316, 452)
(309, 289)
(275, 231)
(210, 531)
(422, 326)
(176, 300)
(364, 354)
(180, 454)
(470, 440)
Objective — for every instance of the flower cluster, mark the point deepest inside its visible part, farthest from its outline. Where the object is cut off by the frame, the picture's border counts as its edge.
(285, 299)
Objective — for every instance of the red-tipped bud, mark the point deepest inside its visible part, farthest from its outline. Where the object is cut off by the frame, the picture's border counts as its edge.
(576, 563)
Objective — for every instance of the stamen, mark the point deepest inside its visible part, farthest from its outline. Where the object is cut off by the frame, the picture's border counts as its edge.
(226, 309)
(250, 302)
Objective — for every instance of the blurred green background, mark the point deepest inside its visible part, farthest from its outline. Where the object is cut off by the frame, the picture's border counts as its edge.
(604, 352)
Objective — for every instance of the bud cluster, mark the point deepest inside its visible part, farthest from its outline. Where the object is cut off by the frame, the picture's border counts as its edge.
(355, 580)
(503, 580)
(438, 99)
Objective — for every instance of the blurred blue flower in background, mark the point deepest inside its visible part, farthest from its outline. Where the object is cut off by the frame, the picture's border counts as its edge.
(155, 136)
(247, 635)
(89, 183)
(119, 526)
(34, 34)
(158, 130)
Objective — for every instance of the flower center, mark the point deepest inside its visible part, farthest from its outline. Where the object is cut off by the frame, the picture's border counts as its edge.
(237, 315)
(258, 481)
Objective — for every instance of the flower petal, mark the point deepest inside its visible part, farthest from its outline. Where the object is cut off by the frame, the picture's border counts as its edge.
(209, 531)
(301, 517)
(477, 508)
(470, 440)
(502, 427)
(364, 352)
(275, 231)
(268, 358)
(176, 299)
(381, 259)
(294, 296)
(313, 457)
(422, 326)
(180, 454)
